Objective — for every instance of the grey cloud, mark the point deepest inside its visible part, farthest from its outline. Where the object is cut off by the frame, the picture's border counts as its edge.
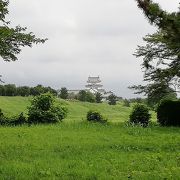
(86, 37)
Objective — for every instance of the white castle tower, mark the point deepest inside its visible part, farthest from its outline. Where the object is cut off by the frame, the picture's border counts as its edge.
(94, 85)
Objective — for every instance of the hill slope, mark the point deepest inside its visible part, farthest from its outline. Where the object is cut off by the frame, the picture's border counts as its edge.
(77, 110)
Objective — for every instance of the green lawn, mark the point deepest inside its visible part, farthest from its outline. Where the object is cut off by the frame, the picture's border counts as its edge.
(75, 149)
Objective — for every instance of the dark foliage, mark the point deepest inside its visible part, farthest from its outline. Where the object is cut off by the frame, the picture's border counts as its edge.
(86, 96)
(12, 121)
(2, 118)
(12, 90)
(140, 115)
(168, 113)
(82, 95)
(90, 97)
(126, 103)
(17, 120)
(98, 97)
(95, 116)
(63, 93)
(112, 99)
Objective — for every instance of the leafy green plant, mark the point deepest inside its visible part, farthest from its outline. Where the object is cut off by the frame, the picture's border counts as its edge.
(43, 110)
(17, 120)
(95, 116)
(140, 115)
(12, 121)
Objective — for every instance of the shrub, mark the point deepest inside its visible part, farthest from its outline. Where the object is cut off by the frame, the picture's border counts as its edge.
(95, 116)
(98, 97)
(17, 120)
(140, 115)
(168, 113)
(43, 110)
(63, 93)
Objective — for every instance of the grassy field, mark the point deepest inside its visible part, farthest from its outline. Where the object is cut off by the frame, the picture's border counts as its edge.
(77, 110)
(76, 149)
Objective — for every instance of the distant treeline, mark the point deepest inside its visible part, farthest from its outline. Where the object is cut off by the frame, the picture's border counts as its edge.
(13, 90)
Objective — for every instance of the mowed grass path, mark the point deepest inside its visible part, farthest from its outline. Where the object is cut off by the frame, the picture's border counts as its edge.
(75, 149)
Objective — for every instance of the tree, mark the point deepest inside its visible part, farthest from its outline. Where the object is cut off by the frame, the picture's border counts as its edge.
(63, 93)
(159, 93)
(13, 39)
(23, 91)
(126, 103)
(161, 54)
(37, 90)
(112, 99)
(10, 90)
(98, 97)
(90, 97)
(51, 90)
(82, 95)
(86, 96)
(156, 92)
(2, 90)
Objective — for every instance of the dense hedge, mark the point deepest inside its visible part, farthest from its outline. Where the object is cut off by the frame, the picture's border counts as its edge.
(168, 113)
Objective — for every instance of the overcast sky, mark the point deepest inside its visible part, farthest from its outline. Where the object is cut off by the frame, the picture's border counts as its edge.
(85, 38)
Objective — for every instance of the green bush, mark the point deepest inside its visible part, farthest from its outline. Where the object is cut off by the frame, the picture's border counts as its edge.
(95, 116)
(12, 121)
(17, 120)
(140, 115)
(43, 110)
(168, 113)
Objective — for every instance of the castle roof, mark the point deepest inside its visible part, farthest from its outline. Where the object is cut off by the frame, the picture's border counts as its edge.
(93, 79)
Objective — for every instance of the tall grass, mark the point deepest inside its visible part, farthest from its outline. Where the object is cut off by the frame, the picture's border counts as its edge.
(89, 151)
(76, 149)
